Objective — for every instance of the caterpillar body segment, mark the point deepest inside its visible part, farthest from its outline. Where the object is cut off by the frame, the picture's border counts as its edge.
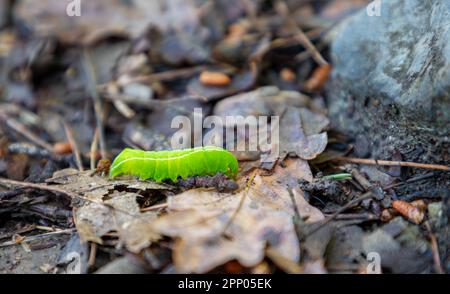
(164, 165)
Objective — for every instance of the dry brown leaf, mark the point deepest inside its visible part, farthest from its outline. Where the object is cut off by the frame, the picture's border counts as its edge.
(268, 100)
(300, 130)
(122, 216)
(214, 228)
(294, 140)
(108, 210)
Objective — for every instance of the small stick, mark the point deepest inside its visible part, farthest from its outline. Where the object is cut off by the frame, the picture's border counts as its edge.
(98, 109)
(283, 10)
(350, 204)
(315, 54)
(361, 180)
(93, 150)
(155, 207)
(435, 250)
(357, 216)
(120, 105)
(32, 238)
(411, 180)
(392, 163)
(92, 254)
(18, 232)
(241, 203)
(22, 129)
(166, 75)
(45, 228)
(124, 109)
(73, 144)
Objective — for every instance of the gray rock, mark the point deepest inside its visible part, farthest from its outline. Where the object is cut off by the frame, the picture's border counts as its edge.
(391, 79)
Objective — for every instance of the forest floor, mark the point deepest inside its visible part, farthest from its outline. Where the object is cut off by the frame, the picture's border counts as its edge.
(76, 90)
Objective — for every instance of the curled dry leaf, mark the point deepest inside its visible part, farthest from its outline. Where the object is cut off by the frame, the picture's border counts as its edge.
(106, 210)
(214, 228)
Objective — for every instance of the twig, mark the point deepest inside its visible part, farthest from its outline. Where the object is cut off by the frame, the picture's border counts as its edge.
(153, 104)
(302, 56)
(124, 109)
(119, 104)
(92, 254)
(315, 54)
(241, 204)
(341, 210)
(93, 150)
(45, 228)
(357, 216)
(155, 207)
(435, 249)
(19, 231)
(160, 76)
(411, 180)
(283, 10)
(361, 180)
(32, 238)
(22, 129)
(296, 219)
(73, 144)
(392, 163)
(98, 109)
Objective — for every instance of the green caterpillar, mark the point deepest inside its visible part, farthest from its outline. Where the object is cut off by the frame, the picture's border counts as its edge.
(164, 165)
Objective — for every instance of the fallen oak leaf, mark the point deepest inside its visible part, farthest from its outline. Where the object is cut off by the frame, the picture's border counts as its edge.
(294, 140)
(300, 130)
(214, 228)
(108, 209)
(122, 215)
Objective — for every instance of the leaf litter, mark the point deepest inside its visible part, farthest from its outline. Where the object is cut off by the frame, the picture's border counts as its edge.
(148, 58)
(108, 210)
(222, 226)
(239, 226)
